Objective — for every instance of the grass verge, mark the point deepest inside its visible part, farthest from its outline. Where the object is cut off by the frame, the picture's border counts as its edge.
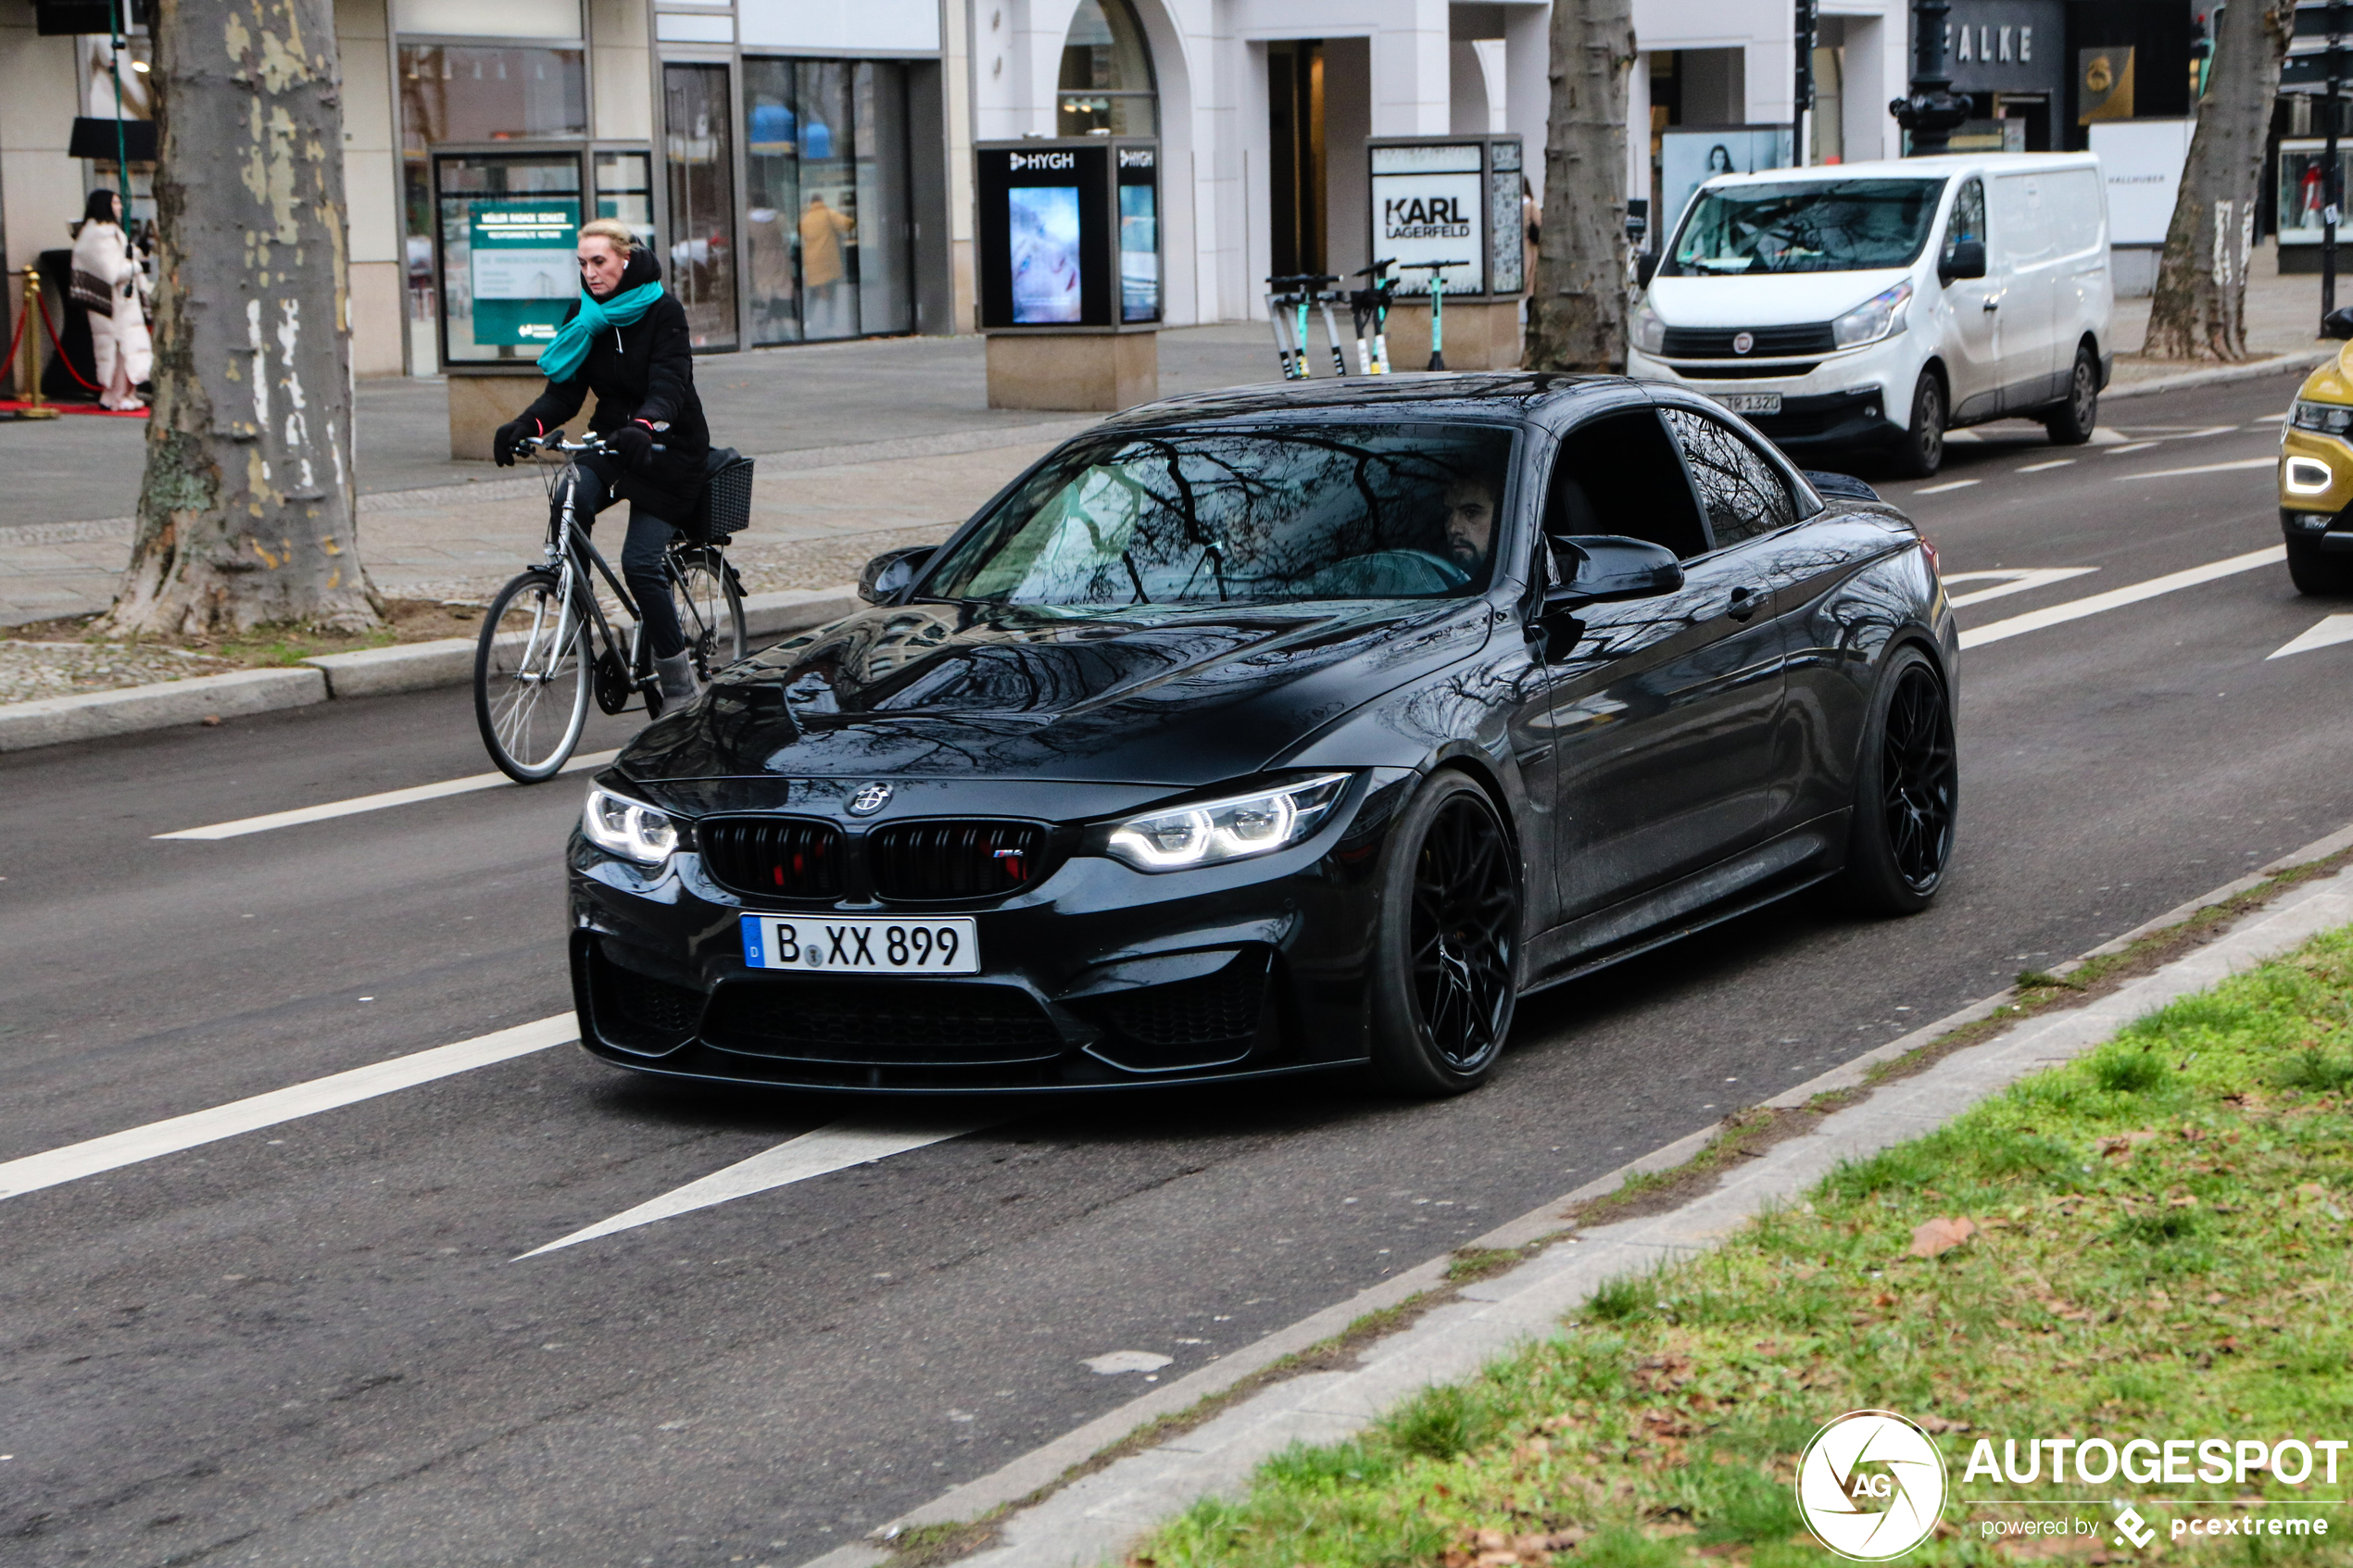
(2160, 1248)
(406, 621)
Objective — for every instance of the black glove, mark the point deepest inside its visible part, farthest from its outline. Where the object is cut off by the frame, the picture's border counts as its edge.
(502, 446)
(633, 444)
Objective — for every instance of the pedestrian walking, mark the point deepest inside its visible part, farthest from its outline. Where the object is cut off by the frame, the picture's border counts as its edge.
(111, 285)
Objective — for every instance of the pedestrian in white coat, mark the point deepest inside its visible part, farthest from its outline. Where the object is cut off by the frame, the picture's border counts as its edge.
(110, 285)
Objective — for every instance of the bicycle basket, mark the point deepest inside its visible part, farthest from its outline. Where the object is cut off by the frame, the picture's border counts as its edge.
(724, 507)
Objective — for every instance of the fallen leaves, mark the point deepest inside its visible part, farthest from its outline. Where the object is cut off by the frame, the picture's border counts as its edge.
(1501, 1548)
(2122, 1145)
(1935, 1237)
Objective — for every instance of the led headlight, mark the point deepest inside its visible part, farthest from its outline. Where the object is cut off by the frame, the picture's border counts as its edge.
(1878, 317)
(2306, 476)
(2329, 418)
(1650, 332)
(1214, 832)
(628, 828)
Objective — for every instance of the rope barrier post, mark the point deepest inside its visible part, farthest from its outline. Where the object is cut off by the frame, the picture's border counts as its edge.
(35, 408)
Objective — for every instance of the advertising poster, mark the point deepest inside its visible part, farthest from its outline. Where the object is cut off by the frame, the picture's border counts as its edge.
(1139, 253)
(1044, 222)
(522, 269)
(1429, 204)
(2141, 160)
(1689, 157)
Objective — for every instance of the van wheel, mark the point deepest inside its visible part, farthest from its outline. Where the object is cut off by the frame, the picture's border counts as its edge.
(2312, 573)
(1922, 451)
(2072, 422)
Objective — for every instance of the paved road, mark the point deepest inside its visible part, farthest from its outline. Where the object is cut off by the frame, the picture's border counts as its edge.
(312, 1345)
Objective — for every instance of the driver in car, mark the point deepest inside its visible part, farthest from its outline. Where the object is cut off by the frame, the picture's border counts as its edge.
(1470, 523)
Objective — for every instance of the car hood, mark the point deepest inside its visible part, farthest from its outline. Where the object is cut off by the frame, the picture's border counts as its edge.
(1158, 696)
(1785, 299)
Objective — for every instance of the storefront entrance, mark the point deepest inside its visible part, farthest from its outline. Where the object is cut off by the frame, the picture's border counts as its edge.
(827, 227)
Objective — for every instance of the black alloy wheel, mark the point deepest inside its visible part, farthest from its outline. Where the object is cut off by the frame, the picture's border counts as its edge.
(1907, 792)
(2072, 422)
(1921, 453)
(1448, 972)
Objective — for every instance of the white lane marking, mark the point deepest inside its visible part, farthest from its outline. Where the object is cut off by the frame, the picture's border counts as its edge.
(2053, 463)
(2270, 419)
(2134, 446)
(2331, 631)
(2116, 598)
(2105, 438)
(1948, 484)
(2209, 430)
(835, 1146)
(129, 1148)
(1111, 1363)
(333, 808)
(2202, 467)
(2013, 579)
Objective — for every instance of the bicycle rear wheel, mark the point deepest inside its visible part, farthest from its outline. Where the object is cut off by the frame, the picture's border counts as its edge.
(710, 608)
(531, 679)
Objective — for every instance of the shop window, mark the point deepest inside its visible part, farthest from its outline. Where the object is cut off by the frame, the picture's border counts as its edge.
(508, 227)
(458, 93)
(702, 202)
(1107, 87)
(828, 234)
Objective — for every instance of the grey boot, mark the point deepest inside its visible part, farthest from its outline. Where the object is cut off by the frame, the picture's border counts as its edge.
(676, 674)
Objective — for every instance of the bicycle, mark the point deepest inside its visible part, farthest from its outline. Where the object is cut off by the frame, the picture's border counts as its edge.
(1305, 290)
(546, 644)
(1436, 305)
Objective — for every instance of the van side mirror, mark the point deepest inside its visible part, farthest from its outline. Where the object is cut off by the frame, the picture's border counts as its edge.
(2338, 322)
(1604, 567)
(1646, 268)
(1968, 260)
(892, 573)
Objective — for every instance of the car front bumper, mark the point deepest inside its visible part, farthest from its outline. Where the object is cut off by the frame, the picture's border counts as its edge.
(1100, 977)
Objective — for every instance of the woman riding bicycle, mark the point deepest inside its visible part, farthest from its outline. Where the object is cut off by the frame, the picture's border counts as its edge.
(625, 340)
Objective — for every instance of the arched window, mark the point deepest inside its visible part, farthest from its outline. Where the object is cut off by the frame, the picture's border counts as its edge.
(1106, 86)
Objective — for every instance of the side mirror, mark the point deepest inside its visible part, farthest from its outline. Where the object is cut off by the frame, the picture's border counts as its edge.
(2338, 322)
(1602, 568)
(1968, 260)
(892, 573)
(1646, 268)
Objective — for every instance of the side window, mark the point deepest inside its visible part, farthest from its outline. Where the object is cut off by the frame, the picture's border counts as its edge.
(1968, 221)
(1744, 494)
(1619, 475)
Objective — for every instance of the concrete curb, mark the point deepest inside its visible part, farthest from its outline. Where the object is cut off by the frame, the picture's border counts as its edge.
(1095, 1518)
(2255, 371)
(55, 720)
(411, 667)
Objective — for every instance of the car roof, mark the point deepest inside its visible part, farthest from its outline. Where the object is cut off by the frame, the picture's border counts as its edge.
(1943, 166)
(1546, 396)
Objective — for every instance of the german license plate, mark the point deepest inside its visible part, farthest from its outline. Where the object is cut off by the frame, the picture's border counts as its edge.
(862, 946)
(1751, 402)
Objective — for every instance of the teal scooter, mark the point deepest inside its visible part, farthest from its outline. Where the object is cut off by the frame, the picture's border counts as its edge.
(1437, 307)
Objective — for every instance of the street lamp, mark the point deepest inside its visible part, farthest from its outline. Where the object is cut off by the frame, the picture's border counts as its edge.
(1934, 111)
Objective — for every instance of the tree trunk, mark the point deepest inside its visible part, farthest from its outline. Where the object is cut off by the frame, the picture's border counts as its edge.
(247, 516)
(2199, 312)
(1576, 315)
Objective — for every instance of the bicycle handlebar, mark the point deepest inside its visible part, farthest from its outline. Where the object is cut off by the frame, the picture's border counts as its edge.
(554, 442)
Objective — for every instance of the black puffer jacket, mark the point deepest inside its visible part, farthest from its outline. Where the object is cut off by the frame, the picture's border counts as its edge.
(645, 371)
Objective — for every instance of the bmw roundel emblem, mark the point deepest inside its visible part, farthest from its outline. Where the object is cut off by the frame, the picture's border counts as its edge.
(1743, 342)
(869, 800)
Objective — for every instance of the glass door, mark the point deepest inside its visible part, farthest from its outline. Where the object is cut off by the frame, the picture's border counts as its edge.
(702, 200)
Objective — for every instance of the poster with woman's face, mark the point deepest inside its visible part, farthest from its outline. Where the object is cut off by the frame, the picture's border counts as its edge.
(1690, 155)
(1045, 247)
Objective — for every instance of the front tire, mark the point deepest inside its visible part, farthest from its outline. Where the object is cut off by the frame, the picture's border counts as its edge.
(2324, 576)
(1446, 956)
(1922, 450)
(531, 679)
(1907, 792)
(2072, 422)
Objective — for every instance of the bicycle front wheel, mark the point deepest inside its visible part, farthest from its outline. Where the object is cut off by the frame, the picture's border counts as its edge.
(531, 679)
(711, 610)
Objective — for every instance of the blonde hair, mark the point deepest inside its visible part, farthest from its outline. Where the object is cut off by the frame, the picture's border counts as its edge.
(624, 238)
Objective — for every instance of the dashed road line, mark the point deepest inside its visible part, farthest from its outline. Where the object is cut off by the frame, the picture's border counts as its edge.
(2052, 463)
(2202, 467)
(2009, 580)
(1948, 484)
(2117, 598)
(390, 797)
(2133, 447)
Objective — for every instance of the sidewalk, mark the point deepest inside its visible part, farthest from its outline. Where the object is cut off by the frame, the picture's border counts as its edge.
(862, 446)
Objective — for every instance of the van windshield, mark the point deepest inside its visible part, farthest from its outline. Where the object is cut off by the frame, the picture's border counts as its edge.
(1840, 226)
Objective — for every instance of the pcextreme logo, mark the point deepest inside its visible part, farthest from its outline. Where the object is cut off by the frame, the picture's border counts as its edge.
(1872, 1485)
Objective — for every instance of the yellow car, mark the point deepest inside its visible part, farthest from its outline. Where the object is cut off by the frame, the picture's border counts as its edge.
(2316, 479)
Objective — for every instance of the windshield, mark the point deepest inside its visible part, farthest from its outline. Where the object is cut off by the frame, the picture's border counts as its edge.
(1210, 517)
(1849, 226)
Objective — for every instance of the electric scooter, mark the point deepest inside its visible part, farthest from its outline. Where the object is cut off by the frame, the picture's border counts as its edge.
(1437, 307)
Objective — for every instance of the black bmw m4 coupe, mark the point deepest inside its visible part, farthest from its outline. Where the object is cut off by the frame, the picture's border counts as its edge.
(1275, 731)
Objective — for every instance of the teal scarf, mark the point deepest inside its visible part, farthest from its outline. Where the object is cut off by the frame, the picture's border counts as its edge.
(561, 357)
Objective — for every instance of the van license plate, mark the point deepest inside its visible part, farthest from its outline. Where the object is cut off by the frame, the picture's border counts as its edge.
(1752, 402)
(950, 946)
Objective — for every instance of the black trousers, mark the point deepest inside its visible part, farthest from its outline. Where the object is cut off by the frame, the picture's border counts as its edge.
(641, 552)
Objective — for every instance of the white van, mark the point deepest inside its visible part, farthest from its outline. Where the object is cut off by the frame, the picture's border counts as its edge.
(1878, 305)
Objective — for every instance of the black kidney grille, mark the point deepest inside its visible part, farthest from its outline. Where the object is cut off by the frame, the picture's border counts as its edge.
(773, 856)
(954, 860)
(1715, 343)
